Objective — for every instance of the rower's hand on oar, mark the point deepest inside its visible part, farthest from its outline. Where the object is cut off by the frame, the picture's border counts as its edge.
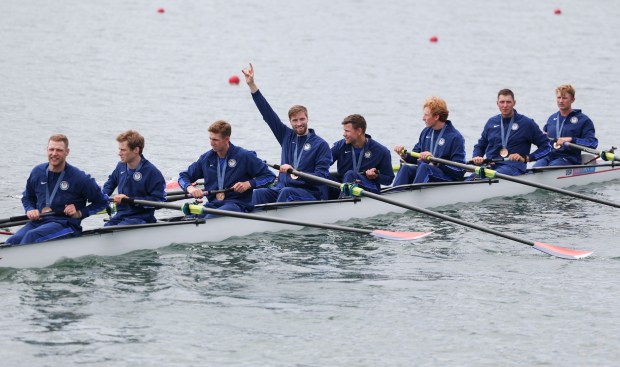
(285, 167)
(400, 150)
(424, 156)
(241, 186)
(33, 214)
(517, 157)
(195, 192)
(477, 160)
(566, 139)
(118, 198)
(372, 174)
(71, 211)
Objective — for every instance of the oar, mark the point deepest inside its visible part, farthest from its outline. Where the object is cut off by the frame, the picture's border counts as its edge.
(8, 233)
(605, 155)
(553, 250)
(199, 209)
(489, 173)
(181, 192)
(25, 217)
(489, 160)
(189, 196)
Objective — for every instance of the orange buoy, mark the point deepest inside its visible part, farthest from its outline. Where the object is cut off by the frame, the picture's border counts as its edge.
(433, 39)
(557, 11)
(233, 79)
(160, 10)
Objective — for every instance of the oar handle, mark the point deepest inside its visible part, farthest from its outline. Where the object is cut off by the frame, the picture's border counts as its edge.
(25, 217)
(185, 195)
(489, 160)
(604, 154)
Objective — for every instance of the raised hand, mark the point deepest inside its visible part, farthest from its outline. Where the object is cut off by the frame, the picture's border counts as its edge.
(249, 78)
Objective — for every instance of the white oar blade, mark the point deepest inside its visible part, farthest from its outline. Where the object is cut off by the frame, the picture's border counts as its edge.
(561, 252)
(399, 236)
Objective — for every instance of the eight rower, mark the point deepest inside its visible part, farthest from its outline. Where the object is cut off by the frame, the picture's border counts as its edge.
(302, 150)
(231, 171)
(136, 178)
(360, 158)
(510, 136)
(438, 139)
(567, 125)
(61, 188)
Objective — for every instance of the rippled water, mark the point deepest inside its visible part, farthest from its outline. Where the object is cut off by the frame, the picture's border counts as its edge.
(313, 297)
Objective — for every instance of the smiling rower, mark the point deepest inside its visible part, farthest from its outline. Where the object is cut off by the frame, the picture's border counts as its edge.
(59, 188)
(360, 158)
(302, 150)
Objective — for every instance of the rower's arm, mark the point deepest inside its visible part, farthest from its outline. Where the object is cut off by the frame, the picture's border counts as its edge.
(271, 118)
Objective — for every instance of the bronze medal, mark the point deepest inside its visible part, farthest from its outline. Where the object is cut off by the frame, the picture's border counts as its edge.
(294, 177)
(503, 152)
(556, 145)
(220, 196)
(46, 210)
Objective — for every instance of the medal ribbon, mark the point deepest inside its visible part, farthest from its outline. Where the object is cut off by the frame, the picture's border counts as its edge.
(357, 163)
(221, 171)
(507, 135)
(433, 144)
(298, 154)
(558, 126)
(49, 198)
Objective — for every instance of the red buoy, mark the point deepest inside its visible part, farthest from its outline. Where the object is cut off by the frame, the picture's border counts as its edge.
(557, 11)
(160, 10)
(233, 79)
(433, 39)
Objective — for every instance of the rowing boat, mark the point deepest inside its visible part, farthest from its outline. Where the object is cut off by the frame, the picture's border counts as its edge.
(113, 241)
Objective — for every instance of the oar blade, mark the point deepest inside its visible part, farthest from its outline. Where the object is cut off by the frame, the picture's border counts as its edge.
(399, 236)
(561, 252)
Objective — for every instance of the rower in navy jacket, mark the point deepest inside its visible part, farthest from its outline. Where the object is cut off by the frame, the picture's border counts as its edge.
(57, 186)
(226, 166)
(567, 125)
(360, 158)
(510, 135)
(136, 178)
(438, 139)
(302, 149)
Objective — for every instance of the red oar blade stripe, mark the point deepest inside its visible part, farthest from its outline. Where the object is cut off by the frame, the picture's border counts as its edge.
(561, 252)
(399, 236)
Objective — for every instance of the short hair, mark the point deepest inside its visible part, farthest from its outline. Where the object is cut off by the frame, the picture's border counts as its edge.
(133, 138)
(221, 127)
(437, 106)
(505, 92)
(297, 109)
(357, 121)
(61, 138)
(565, 89)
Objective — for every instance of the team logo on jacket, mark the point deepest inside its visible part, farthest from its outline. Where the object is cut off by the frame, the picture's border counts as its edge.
(64, 186)
(573, 120)
(232, 163)
(441, 141)
(307, 146)
(137, 176)
(368, 154)
(515, 126)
